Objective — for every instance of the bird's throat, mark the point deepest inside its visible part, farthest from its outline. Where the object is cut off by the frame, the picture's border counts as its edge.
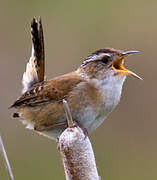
(111, 89)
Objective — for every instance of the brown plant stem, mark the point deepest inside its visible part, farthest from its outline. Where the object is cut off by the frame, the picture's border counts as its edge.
(77, 154)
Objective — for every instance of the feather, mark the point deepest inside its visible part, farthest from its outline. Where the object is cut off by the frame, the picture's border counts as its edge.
(35, 68)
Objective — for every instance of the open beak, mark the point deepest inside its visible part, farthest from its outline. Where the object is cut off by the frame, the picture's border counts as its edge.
(118, 65)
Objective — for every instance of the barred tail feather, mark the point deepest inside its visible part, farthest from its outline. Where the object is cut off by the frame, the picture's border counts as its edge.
(35, 68)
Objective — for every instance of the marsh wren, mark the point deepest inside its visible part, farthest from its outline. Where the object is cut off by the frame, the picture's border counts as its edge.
(92, 91)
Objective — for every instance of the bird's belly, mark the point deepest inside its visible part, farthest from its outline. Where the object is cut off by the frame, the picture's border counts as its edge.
(88, 117)
(89, 120)
(93, 120)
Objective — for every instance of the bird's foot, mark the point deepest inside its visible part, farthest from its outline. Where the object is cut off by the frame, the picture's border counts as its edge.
(83, 129)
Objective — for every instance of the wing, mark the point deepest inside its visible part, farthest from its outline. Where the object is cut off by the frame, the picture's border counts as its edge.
(47, 91)
(35, 68)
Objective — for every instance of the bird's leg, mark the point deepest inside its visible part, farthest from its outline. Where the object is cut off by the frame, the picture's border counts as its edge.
(45, 128)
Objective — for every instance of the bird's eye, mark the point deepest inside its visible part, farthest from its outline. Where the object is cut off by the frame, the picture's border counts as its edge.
(105, 59)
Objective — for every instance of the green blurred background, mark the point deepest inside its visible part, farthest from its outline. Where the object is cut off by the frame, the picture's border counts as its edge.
(126, 144)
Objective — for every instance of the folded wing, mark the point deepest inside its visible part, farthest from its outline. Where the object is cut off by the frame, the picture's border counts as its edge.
(53, 90)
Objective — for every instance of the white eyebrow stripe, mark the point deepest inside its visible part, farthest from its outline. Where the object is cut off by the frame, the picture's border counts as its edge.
(107, 54)
(94, 58)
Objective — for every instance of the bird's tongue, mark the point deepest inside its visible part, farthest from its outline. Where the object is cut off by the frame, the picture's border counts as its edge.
(118, 65)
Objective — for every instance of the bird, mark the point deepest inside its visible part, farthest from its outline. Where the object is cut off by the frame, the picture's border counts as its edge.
(92, 91)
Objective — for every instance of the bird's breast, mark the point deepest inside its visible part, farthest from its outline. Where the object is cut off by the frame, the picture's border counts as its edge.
(111, 89)
(109, 93)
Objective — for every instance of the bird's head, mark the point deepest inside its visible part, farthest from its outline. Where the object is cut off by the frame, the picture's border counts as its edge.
(107, 62)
